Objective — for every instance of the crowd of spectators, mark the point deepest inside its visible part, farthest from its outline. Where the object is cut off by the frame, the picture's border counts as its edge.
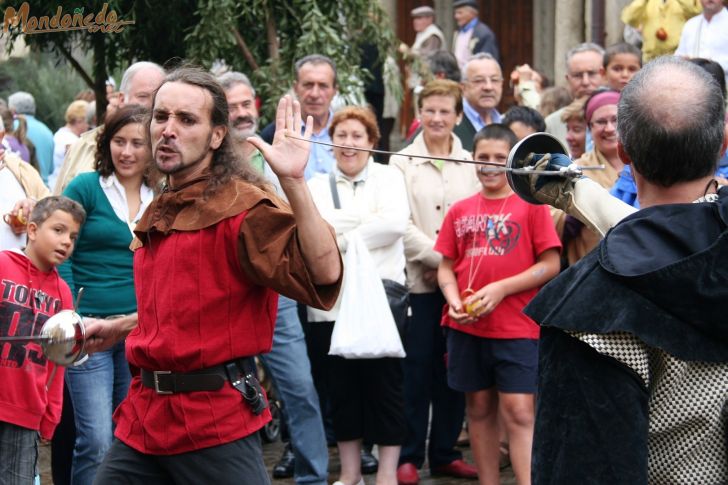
(437, 216)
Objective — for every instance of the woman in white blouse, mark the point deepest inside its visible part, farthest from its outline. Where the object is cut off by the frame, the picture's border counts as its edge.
(67, 135)
(114, 196)
(366, 394)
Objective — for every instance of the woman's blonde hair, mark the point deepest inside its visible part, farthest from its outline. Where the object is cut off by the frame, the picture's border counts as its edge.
(76, 111)
(442, 87)
(574, 111)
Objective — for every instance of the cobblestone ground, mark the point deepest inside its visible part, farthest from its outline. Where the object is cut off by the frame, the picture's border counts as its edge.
(273, 451)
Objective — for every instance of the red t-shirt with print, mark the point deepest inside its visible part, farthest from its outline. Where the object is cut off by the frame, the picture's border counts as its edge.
(489, 240)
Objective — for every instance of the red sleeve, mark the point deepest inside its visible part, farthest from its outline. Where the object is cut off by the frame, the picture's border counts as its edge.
(446, 243)
(544, 232)
(52, 416)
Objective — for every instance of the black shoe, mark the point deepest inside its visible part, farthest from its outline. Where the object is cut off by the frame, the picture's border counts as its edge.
(369, 464)
(284, 467)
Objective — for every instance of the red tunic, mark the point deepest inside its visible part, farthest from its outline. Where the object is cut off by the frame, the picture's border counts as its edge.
(206, 278)
(196, 310)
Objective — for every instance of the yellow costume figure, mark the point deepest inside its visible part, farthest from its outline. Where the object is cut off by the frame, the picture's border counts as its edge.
(661, 22)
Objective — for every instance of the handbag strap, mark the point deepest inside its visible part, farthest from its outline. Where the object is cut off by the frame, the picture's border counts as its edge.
(334, 190)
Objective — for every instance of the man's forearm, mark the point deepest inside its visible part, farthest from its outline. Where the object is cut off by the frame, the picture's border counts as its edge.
(317, 243)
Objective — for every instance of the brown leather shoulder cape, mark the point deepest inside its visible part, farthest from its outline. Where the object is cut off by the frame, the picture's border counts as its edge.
(187, 208)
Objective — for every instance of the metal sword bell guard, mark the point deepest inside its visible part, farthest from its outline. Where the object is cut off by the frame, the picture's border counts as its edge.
(534, 143)
(63, 338)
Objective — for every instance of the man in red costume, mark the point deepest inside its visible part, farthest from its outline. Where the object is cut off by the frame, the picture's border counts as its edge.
(211, 254)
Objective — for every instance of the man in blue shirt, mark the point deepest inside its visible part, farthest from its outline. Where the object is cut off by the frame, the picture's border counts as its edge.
(288, 360)
(23, 103)
(315, 87)
(482, 90)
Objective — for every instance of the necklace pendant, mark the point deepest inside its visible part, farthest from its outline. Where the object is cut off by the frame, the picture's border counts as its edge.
(40, 298)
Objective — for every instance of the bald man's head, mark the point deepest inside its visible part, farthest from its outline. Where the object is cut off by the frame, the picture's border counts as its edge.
(671, 121)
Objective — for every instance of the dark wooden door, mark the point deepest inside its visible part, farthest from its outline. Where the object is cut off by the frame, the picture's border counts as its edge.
(406, 34)
(512, 23)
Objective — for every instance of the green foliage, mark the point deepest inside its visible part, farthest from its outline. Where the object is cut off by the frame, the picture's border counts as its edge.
(52, 88)
(157, 35)
(276, 34)
(159, 32)
(335, 28)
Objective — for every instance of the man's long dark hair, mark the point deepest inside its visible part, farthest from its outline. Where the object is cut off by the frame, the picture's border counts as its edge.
(227, 162)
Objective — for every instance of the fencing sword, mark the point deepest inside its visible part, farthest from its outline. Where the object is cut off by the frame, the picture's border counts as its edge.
(44, 336)
(572, 171)
(62, 337)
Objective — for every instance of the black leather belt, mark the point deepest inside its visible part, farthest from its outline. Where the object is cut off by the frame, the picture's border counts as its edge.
(209, 379)
(241, 373)
(167, 382)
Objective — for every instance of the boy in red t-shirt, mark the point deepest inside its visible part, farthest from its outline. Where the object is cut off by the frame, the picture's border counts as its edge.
(497, 251)
(32, 392)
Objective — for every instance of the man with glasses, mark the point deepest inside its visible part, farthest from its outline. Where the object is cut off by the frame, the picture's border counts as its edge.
(584, 74)
(482, 90)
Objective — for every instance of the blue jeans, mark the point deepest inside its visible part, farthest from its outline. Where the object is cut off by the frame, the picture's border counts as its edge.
(18, 454)
(97, 387)
(291, 372)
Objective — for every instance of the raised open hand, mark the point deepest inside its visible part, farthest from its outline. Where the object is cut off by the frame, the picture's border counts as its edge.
(287, 156)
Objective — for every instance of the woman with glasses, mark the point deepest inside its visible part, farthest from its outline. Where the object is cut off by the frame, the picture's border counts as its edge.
(600, 114)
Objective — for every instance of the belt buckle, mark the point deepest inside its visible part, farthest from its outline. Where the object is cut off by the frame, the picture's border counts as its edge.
(157, 373)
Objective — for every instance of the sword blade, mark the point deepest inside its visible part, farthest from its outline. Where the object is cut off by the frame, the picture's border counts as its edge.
(24, 339)
(384, 152)
(528, 171)
(496, 166)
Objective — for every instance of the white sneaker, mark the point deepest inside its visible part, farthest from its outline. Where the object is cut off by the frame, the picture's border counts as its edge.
(360, 482)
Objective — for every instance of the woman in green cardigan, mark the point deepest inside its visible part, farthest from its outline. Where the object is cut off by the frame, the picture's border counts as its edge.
(115, 197)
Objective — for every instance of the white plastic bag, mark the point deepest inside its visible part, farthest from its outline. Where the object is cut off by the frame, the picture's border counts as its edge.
(365, 328)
